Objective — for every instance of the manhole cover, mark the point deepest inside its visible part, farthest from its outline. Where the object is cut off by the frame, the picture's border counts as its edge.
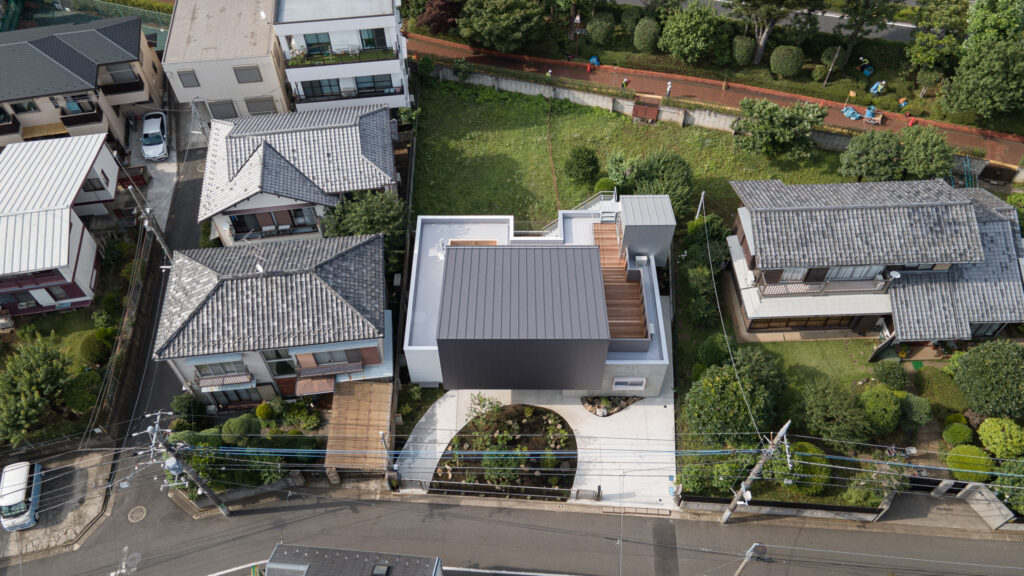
(134, 558)
(137, 514)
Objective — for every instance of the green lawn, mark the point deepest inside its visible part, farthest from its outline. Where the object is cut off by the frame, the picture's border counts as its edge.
(69, 327)
(941, 391)
(844, 361)
(481, 151)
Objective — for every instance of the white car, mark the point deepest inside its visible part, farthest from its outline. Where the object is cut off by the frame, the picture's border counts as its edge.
(154, 136)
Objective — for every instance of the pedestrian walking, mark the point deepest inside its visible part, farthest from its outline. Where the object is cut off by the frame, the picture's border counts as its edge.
(668, 89)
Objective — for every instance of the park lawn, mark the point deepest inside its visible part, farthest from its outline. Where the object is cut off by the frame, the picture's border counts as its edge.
(480, 151)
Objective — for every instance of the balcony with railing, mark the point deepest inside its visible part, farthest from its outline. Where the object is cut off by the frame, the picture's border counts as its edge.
(32, 280)
(9, 124)
(222, 379)
(273, 232)
(341, 56)
(349, 94)
(331, 369)
(827, 287)
(125, 92)
(81, 118)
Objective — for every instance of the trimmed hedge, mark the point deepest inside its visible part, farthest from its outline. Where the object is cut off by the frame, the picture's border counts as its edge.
(829, 54)
(601, 28)
(970, 463)
(604, 185)
(94, 350)
(1002, 437)
(819, 73)
(743, 48)
(646, 35)
(786, 61)
(957, 434)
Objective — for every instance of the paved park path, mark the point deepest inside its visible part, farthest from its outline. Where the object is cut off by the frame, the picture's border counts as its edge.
(1002, 148)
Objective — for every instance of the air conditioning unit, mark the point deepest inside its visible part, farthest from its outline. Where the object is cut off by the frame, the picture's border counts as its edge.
(26, 305)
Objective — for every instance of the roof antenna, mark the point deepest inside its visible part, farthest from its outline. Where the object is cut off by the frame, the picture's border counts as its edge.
(257, 253)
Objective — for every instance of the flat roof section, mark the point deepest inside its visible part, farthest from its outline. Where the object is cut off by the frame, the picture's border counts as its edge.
(308, 10)
(218, 30)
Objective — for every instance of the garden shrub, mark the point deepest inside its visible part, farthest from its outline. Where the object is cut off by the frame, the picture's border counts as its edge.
(582, 164)
(462, 69)
(101, 319)
(425, 66)
(302, 416)
(1002, 437)
(819, 73)
(94, 350)
(956, 434)
(601, 28)
(278, 404)
(786, 61)
(721, 43)
(833, 413)
(240, 430)
(188, 407)
(829, 54)
(630, 17)
(696, 370)
(970, 463)
(674, 175)
(619, 167)
(991, 376)
(211, 437)
(689, 33)
(1010, 487)
(810, 473)
(265, 411)
(743, 48)
(891, 375)
(646, 35)
(186, 437)
(881, 409)
(713, 351)
(179, 424)
(955, 418)
(80, 392)
(604, 185)
(107, 335)
(717, 403)
(761, 368)
(917, 411)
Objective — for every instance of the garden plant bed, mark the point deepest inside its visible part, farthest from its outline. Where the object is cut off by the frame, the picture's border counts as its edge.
(606, 406)
(513, 451)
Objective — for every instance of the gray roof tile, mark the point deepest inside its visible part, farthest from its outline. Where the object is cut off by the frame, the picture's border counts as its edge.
(309, 292)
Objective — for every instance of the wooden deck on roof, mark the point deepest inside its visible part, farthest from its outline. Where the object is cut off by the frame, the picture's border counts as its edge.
(624, 298)
(359, 411)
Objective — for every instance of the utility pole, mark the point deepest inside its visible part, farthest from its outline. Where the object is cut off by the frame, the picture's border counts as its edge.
(145, 211)
(755, 472)
(755, 551)
(157, 437)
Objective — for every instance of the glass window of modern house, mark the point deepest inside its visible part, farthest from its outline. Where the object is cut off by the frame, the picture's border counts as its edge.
(629, 383)
(248, 74)
(257, 106)
(336, 357)
(377, 83)
(281, 363)
(320, 88)
(26, 106)
(221, 368)
(304, 217)
(374, 39)
(318, 43)
(188, 78)
(122, 73)
(222, 109)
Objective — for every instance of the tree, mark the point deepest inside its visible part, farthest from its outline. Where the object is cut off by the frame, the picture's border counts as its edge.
(743, 50)
(787, 61)
(774, 130)
(881, 409)
(1002, 437)
(926, 153)
(763, 16)
(862, 18)
(1010, 487)
(990, 77)
(582, 164)
(833, 413)
(715, 404)
(94, 350)
(187, 407)
(630, 17)
(810, 472)
(619, 168)
(713, 351)
(664, 172)
(600, 28)
(504, 25)
(874, 155)
(371, 212)
(689, 33)
(440, 16)
(991, 376)
(917, 411)
(646, 35)
(240, 430)
(761, 368)
(941, 29)
(31, 386)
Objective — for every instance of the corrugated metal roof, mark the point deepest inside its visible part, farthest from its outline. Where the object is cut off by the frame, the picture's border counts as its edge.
(38, 183)
(647, 210)
(522, 293)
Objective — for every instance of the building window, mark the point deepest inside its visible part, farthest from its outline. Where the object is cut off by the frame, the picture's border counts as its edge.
(188, 78)
(315, 88)
(257, 106)
(57, 293)
(373, 83)
(853, 272)
(25, 106)
(79, 104)
(243, 223)
(629, 383)
(373, 39)
(317, 43)
(122, 73)
(222, 109)
(336, 357)
(280, 363)
(92, 185)
(304, 217)
(221, 368)
(248, 74)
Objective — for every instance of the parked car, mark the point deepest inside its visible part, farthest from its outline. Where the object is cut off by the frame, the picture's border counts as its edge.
(154, 136)
(19, 495)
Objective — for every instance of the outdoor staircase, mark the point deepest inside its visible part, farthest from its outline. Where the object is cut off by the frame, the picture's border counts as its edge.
(624, 297)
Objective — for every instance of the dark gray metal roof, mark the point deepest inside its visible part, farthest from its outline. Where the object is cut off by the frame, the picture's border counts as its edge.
(943, 305)
(309, 292)
(522, 293)
(59, 59)
(647, 210)
(290, 560)
(860, 224)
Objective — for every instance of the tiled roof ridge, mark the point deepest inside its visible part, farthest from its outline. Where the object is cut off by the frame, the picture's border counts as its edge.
(339, 123)
(932, 204)
(188, 319)
(268, 146)
(61, 64)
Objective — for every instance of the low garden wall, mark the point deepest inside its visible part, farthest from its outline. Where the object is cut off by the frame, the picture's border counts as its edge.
(990, 508)
(826, 512)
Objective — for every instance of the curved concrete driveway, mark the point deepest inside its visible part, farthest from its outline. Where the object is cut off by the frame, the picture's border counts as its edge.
(630, 455)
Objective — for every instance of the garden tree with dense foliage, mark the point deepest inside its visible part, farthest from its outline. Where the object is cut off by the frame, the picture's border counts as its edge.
(890, 373)
(582, 164)
(187, 407)
(371, 212)
(970, 463)
(240, 430)
(440, 16)
(926, 153)
(743, 50)
(991, 377)
(761, 368)
(941, 29)
(703, 474)
(917, 411)
(601, 28)
(862, 18)
(715, 404)
(774, 130)
(763, 16)
(833, 413)
(1002, 437)
(704, 230)
(629, 19)
(1010, 487)
(619, 168)
(504, 25)
(958, 433)
(873, 155)
(689, 33)
(881, 410)
(810, 472)
(646, 35)
(665, 172)
(713, 351)
(990, 77)
(701, 282)
(786, 61)
(31, 386)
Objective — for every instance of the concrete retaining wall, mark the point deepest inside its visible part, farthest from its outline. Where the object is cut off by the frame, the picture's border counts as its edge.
(830, 141)
(807, 512)
(990, 508)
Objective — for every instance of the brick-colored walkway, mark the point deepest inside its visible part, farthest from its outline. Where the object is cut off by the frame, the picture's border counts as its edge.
(1006, 149)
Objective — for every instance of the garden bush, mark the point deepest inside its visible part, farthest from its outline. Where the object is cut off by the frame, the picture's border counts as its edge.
(991, 376)
(646, 35)
(1002, 437)
(211, 437)
(582, 164)
(833, 413)
(955, 419)
(425, 66)
(302, 416)
(819, 73)
(917, 411)
(891, 375)
(240, 430)
(713, 351)
(810, 473)
(717, 404)
(1010, 487)
(604, 185)
(94, 350)
(881, 408)
(786, 61)
(689, 33)
(743, 48)
(107, 335)
(673, 174)
(956, 434)
(629, 19)
(188, 407)
(600, 28)
(462, 69)
(619, 168)
(970, 463)
(829, 55)
(265, 411)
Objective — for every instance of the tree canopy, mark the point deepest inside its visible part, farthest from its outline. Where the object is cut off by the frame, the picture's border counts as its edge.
(31, 386)
(991, 376)
(874, 155)
(371, 212)
(862, 18)
(774, 130)
(689, 33)
(832, 412)
(764, 15)
(990, 77)
(715, 404)
(941, 29)
(504, 25)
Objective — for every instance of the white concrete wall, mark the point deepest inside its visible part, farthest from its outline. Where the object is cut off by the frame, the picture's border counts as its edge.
(345, 29)
(347, 71)
(82, 247)
(424, 365)
(395, 101)
(217, 82)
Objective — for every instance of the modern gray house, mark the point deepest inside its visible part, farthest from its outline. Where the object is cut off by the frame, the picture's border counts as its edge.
(290, 560)
(573, 307)
(915, 261)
